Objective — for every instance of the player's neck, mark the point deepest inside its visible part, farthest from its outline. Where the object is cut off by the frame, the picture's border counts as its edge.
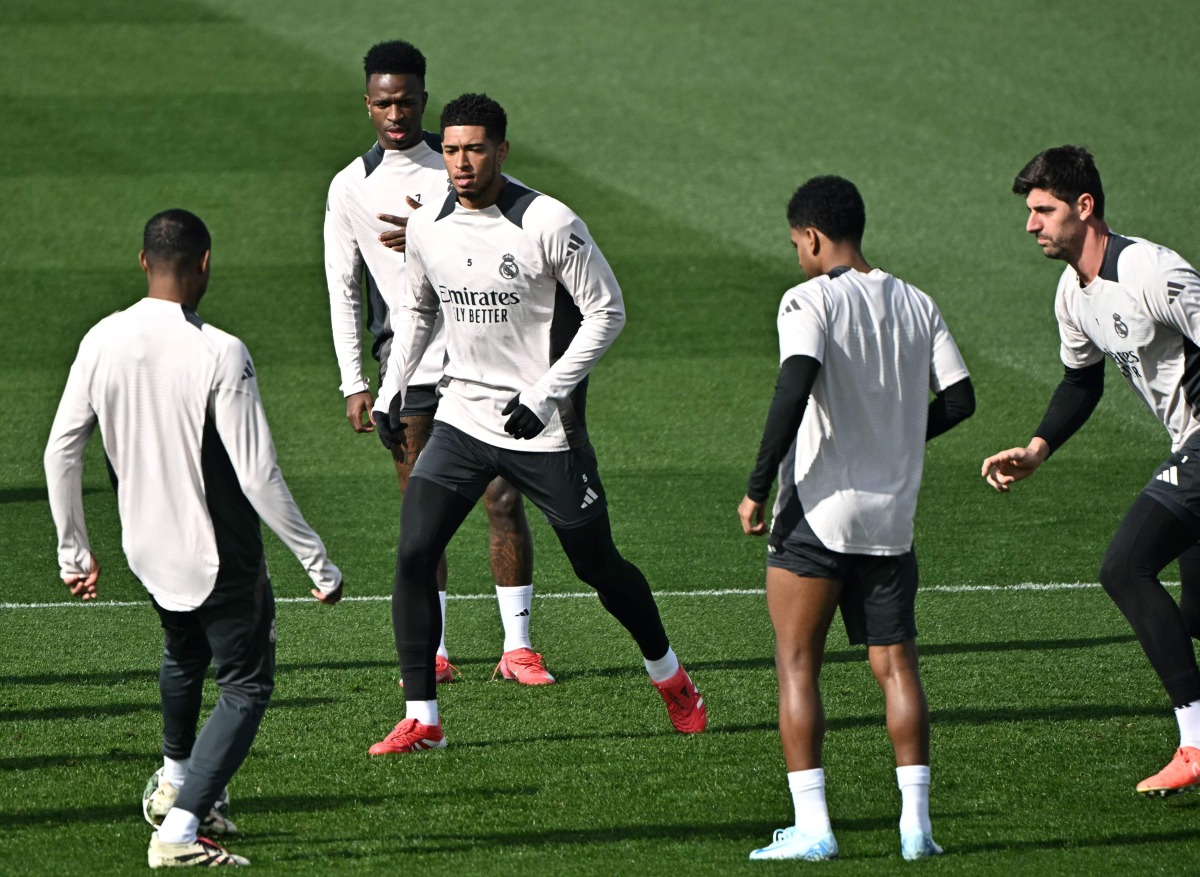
(843, 256)
(486, 198)
(166, 290)
(1091, 252)
(390, 146)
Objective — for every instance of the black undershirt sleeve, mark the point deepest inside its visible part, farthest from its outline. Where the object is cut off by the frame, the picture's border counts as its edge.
(950, 407)
(1072, 404)
(792, 389)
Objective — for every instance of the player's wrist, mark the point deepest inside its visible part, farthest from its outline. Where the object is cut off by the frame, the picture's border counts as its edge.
(1038, 448)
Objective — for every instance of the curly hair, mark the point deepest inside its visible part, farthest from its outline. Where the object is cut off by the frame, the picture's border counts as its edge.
(832, 206)
(1066, 172)
(476, 109)
(394, 56)
(175, 236)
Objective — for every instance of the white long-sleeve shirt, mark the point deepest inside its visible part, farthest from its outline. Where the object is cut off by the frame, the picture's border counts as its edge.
(1142, 311)
(185, 432)
(529, 304)
(378, 182)
(860, 451)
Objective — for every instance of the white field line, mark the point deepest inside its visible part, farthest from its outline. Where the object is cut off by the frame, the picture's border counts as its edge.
(583, 595)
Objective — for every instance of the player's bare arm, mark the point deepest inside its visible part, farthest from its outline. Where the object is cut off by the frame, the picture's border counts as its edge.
(358, 411)
(1002, 470)
(751, 514)
(395, 239)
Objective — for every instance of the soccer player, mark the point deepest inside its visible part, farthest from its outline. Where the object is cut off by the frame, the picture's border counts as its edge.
(860, 351)
(369, 203)
(529, 304)
(1138, 304)
(194, 467)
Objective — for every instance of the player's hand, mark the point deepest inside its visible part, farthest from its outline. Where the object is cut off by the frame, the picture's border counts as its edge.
(84, 586)
(523, 424)
(330, 598)
(751, 515)
(358, 411)
(395, 238)
(1003, 469)
(389, 424)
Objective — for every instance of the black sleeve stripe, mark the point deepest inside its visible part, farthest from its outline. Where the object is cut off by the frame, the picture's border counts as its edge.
(1116, 245)
(372, 159)
(514, 200)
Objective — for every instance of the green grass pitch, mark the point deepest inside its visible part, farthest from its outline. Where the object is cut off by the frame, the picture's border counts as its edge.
(677, 130)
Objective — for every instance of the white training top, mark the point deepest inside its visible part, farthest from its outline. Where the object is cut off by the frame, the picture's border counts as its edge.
(1142, 311)
(185, 433)
(529, 302)
(376, 183)
(860, 449)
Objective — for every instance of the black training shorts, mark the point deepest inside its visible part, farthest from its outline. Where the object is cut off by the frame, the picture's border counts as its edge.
(878, 591)
(1176, 483)
(564, 485)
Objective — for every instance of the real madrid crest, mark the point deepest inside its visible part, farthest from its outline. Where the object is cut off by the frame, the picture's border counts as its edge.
(1119, 327)
(509, 269)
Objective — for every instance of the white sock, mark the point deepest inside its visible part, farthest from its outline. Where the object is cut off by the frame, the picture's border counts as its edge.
(808, 798)
(1189, 724)
(424, 711)
(442, 645)
(178, 827)
(515, 605)
(175, 772)
(664, 668)
(913, 780)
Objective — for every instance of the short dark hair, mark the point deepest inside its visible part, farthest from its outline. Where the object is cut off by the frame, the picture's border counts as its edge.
(476, 109)
(1066, 172)
(177, 237)
(832, 206)
(394, 56)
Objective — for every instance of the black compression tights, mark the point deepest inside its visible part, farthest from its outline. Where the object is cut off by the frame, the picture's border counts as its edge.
(1148, 539)
(429, 517)
(622, 588)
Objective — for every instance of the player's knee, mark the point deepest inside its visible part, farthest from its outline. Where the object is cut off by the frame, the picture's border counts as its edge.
(1115, 575)
(606, 571)
(504, 504)
(893, 664)
(796, 660)
(414, 562)
(248, 697)
(1190, 609)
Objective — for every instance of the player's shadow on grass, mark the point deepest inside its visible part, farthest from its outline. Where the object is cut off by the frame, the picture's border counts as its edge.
(80, 815)
(747, 834)
(109, 710)
(387, 663)
(74, 760)
(106, 680)
(36, 494)
(1173, 835)
(1039, 645)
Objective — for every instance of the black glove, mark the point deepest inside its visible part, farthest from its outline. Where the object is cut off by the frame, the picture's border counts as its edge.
(388, 424)
(523, 424)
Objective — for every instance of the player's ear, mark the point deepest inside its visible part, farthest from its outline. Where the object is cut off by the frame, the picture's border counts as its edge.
(142, 261)
(1086, 205)
(204, 261)
(502, 152)
(813, 238)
